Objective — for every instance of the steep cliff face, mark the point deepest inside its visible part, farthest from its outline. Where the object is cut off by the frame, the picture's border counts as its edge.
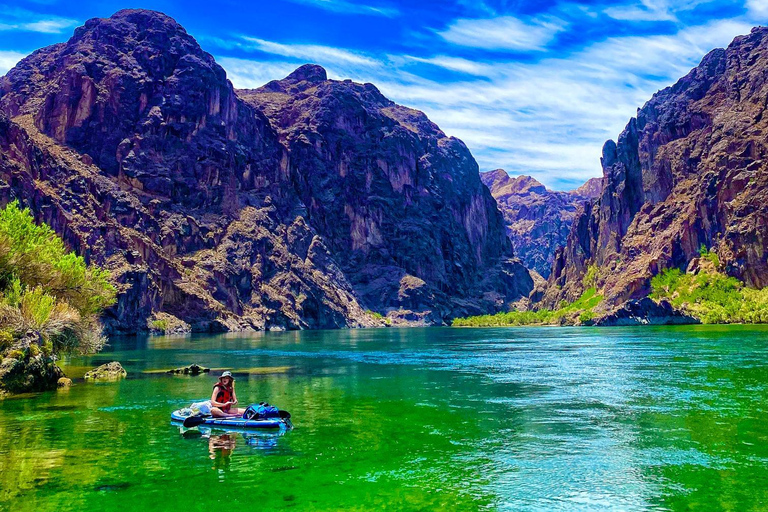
(400, 203)
(538, 220)
(129, 140)
(131, 143)
(689, 170)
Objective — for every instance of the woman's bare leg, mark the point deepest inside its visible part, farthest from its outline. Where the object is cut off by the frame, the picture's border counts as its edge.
(218, 413)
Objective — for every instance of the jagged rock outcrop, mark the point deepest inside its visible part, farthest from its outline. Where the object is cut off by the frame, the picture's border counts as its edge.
(689, 170)
(538, 220)
(131, 143)
(644, 312)
(399, 202)
(25, 365)
(107, 371)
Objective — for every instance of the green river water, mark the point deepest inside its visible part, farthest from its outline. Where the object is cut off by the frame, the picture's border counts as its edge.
(409, 419)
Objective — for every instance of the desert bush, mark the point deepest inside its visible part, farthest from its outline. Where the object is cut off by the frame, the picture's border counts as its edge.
(710, 295)
(46, 289)
(580, 308)
(159, 325)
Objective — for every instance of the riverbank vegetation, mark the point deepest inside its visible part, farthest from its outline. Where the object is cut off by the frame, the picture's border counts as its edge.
(709, 295)
(50, 301)
(579, 310)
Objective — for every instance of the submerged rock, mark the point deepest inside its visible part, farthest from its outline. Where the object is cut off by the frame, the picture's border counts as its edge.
(645, 312)
(109, 371)
(193, 369)
(64, 382)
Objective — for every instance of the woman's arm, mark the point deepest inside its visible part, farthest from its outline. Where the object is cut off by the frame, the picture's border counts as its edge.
(215, 403)
(234, 395)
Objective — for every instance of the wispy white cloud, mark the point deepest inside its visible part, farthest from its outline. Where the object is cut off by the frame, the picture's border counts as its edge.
(548, 118)
(551, 117)
(247, 74)
(448, 62)
(758, 9)
(504, 33)
(646, 10)
(664, 56)
(8, 59)
(23, 20)
(346, 7)
(308, 52)
(49, 26)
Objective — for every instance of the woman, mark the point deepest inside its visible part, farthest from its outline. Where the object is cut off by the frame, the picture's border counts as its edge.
(224, 397)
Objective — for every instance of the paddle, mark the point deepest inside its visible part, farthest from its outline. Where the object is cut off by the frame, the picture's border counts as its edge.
(193, 421)
(286, 417)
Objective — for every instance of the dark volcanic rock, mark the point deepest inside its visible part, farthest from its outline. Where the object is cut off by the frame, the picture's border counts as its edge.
(131, 143)
(148, 106)
(538, 220)
(193, 369)
(689, 170)
(645, 312)
(24, 366)
(400, 203)
(168, 179)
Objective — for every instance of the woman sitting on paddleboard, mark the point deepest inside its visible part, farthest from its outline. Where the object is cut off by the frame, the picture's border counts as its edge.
(224, 398)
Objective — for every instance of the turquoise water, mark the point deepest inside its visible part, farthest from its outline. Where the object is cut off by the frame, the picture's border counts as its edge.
(410, 419)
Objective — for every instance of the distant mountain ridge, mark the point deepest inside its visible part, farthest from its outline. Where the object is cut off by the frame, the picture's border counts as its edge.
(538, 219)
(210, 205)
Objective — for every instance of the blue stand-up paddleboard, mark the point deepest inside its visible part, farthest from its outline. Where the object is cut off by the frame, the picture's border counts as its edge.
(232, 422)
(192, 417)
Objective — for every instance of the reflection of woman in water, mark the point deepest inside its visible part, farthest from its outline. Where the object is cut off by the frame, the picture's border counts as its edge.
(224, 398)
(220, 449)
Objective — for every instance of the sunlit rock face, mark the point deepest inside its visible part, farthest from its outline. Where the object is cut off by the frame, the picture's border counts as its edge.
(689, 170)
(538, 220)
(131, 143)
(398, 201)
(129, 140)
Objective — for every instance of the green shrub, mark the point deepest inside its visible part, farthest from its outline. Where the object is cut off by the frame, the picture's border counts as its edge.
(378, 316)
(708, 255)
(159, 325)
(46, 289)
(36, 256)
(566, 311)
(590, 277)
(16, 354)
(6, 339)
(710, 295)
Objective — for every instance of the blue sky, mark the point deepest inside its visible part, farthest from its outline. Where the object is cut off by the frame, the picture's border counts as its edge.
(531, 87)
